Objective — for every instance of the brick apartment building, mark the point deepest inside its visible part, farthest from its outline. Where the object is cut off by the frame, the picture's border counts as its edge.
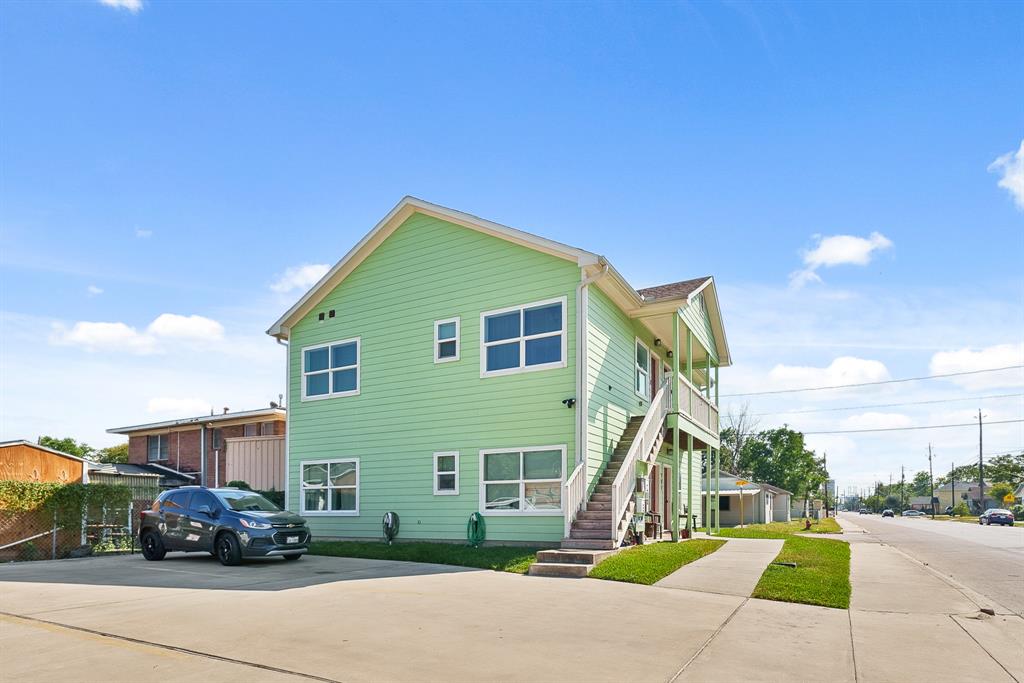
(198, 445)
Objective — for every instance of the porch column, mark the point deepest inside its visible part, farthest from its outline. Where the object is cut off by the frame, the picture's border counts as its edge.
(706, 497)
(689, 482)
(716, 384)
(718, 500)
(676, 474)
(707, 376)
(689, 376)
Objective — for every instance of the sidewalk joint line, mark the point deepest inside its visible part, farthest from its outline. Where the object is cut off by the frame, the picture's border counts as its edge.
(173, 648)
(984, 649)
(708, 641)
(853, 647)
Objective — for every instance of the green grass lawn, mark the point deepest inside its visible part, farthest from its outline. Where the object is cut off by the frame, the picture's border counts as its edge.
(648, 564)
(782, 529)
(499, 558)
(821, 576)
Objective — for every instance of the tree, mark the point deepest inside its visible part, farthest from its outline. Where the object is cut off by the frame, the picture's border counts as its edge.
(114, 454)
(892, 502)
(740, 427)
(920, 485)
(998, 491)
(69, 446)
(1008, 468)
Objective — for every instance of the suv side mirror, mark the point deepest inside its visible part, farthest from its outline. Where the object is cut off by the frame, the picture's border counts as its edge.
(206, 510)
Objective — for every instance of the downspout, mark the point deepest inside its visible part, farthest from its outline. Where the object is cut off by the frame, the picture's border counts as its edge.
(202, 454)
(287, 413)
(582, 324)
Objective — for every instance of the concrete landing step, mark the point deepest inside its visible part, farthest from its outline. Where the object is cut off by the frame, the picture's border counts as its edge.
(587, 544)
(566, 569)
(574, 556)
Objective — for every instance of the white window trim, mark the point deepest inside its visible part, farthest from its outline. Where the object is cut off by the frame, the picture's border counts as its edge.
(303, 488)
(161, 440)
(437, 491)
(458, 340)
(636, 369)
(521, 513)
(522, 339)
(358, 366)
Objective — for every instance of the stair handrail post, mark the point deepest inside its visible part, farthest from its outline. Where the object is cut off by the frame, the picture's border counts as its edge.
(574, 495)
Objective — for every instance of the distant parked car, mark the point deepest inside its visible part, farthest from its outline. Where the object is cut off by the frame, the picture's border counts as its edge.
(230, 524)
(864, 511)
(888, 513)
(913, 513)
(949, 510)
(996, 516)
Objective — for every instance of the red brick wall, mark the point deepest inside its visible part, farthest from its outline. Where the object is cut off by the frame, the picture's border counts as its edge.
(184, 453)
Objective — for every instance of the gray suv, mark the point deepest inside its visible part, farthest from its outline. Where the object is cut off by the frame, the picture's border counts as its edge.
(229, 523)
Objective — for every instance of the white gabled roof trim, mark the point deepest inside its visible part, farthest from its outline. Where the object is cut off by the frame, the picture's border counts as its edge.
(200, 420)
(387, 225)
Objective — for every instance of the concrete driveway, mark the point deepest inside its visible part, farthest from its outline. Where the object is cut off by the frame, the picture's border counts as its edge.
(339, 619)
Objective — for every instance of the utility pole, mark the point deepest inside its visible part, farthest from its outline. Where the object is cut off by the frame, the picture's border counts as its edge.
(931, 480)
(824, 466)
(952, 482)
(903, 484)
(981, 471)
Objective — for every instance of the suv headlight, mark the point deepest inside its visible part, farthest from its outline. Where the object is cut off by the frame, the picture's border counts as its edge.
(253, 524)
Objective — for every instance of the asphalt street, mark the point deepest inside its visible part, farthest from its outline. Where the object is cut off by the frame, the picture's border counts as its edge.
(988, 560)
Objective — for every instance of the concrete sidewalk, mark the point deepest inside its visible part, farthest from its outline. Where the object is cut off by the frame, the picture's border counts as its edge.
(733, 569)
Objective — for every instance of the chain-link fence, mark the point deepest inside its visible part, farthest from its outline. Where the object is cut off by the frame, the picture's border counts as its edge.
(47, 533)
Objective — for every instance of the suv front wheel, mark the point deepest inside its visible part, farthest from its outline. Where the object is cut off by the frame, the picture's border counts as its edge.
(228, 551)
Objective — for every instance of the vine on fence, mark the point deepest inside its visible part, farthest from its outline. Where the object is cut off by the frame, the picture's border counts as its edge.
(66, 501)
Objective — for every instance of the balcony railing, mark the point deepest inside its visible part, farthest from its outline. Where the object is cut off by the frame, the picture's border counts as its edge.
(698, 408)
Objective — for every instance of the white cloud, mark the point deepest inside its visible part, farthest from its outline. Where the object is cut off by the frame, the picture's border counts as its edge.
(300, 277)
(99, 336)
(93, 290)
(184, 407)
(967, 359)
(837, 250)
(842, 370)
(873, 420)
(119, 337)
(194, 327)
(133, 6)
(143, 234)
(1011, 166)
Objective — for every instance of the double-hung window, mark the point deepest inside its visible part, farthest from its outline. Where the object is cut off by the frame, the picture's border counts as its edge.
(522, 481)
(446, 340)
(331, 369)
(156, 447)
(642, 384)
(530, 337)
(446, 473)
(330, 487)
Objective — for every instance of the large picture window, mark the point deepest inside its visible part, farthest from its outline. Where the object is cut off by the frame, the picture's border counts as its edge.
(522, 481)
(331, 369)
(529, 337)
(330, 487)
(156, 447)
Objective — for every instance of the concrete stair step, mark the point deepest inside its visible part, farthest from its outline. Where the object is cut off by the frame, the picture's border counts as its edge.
(587, 544)
(574, 556)
(562, 569)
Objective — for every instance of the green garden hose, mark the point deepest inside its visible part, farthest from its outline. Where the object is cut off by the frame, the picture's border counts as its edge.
(476, 530)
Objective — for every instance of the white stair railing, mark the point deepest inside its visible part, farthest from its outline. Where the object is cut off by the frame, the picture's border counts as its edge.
(640, 450)
(574, 497)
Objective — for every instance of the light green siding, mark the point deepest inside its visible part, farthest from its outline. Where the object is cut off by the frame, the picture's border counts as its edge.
(697, 321)
(610, 377)
(410, 407)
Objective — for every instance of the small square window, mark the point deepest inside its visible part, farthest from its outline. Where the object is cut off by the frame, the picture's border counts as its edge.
(446, 473)
(446, 340)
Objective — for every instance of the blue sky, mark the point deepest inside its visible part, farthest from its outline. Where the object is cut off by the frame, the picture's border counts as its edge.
(177, 159)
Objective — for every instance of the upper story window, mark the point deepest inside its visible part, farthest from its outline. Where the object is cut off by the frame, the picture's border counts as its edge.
(156, 447)
(249, 430)
(642, 384)
(266, 428)
(446, 340)
(331, 369)
(522, 338)
(217, 439)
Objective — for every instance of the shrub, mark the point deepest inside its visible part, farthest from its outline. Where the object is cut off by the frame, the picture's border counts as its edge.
(239, 484)
(961, 510)
(274, 496)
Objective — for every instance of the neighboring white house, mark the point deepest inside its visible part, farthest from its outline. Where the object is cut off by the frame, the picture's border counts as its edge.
(761, 503)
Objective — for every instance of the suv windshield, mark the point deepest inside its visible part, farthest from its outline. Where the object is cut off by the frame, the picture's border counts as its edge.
(246, 501)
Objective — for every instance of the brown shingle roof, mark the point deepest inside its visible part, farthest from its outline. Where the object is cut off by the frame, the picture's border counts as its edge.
(672, 290)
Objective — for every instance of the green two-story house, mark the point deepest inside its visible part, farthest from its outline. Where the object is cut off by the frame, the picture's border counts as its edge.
(449, 365)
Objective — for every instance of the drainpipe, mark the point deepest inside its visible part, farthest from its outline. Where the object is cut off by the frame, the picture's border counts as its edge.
(288, 413)
(582, 404)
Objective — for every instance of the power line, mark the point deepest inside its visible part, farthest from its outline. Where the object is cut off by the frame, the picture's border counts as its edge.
(887, 405)
(868, 384)
(903, 429)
